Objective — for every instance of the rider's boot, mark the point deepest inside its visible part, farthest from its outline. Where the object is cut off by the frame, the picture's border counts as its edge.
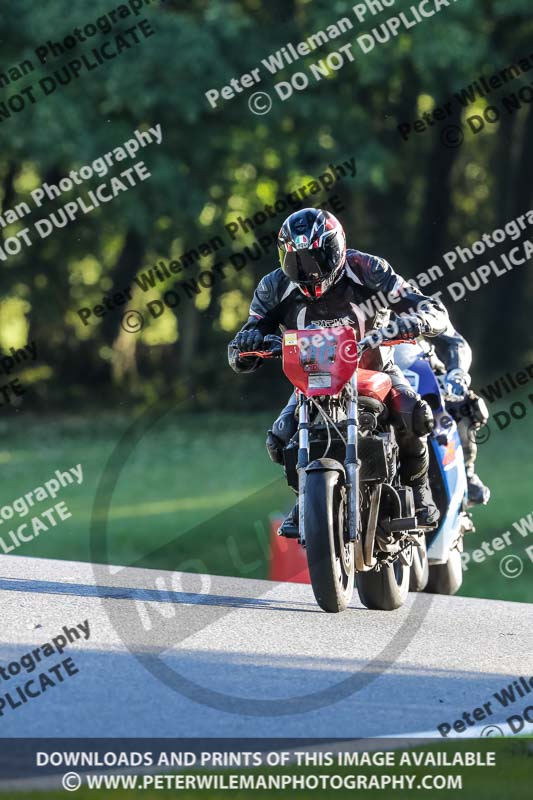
(289, 527)
(478, 493)
(427, 512)
(414, 472)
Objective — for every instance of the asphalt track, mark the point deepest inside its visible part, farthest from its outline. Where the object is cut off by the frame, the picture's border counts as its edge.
(170, 655)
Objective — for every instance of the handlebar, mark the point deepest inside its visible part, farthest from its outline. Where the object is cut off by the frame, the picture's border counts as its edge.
(366, 343)
(260, 354)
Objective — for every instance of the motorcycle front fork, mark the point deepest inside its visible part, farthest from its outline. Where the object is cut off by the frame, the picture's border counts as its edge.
(303, 462)
(351, 465)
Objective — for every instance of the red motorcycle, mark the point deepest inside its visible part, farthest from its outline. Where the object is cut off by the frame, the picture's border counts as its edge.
(355, 516)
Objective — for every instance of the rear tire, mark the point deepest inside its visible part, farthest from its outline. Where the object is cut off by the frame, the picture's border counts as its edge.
(330, 558)
(446, 578)
(385, 590)
(419, 576)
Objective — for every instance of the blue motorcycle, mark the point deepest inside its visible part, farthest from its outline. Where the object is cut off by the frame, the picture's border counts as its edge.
(439, 570)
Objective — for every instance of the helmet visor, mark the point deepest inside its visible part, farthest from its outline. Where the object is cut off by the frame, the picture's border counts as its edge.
(315, 264)
(306, 267)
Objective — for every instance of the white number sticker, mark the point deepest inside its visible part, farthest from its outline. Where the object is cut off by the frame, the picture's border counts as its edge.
(319, 380)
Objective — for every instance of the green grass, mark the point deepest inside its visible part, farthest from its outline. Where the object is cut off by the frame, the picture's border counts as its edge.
(177, 491)
(512, 773)
(197, 491)
(505, 463)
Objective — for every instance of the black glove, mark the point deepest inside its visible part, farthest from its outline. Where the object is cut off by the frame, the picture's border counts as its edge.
(272, 342)
(246, 341)
(409, 327)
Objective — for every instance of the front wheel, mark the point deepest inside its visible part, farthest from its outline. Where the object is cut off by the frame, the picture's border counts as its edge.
(329, 555)
(384, 590)
(446, 578)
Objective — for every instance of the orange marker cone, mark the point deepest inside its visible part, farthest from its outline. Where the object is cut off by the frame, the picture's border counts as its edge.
(288, 561)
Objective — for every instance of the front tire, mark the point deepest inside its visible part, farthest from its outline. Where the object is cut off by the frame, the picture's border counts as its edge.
(329, 556)
(385, 590)
(446, 578)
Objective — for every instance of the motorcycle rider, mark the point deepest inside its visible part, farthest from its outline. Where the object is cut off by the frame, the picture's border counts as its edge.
(321, 283)
(451, 356)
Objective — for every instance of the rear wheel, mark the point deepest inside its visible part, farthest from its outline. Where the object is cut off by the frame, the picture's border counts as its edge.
(386, 589)
(329, 556)
(446, 578)
(419, 575)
